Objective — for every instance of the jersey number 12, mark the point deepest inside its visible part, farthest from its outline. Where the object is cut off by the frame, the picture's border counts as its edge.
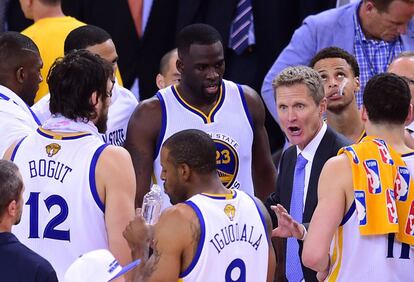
(50, 230)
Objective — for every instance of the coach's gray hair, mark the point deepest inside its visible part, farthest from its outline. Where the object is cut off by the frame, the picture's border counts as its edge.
(302, 75)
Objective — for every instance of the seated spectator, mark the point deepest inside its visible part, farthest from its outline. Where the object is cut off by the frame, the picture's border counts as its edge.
(374, 31)
(18, 263)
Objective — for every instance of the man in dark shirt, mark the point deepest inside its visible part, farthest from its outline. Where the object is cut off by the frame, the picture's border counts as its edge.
(18, 263)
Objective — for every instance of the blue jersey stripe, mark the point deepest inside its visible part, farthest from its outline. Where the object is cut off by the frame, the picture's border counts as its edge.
(348, 214)
(200, 242)
(92, 180)
(246, 108)
(15, 149)
(163, 124)
(262, 217)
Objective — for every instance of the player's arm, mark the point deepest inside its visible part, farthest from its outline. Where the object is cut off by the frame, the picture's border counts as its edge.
(174, 243)
(142, 135)
(263, 170)
(115, 181)
(328, 213)
(272, 258)
(8, 153)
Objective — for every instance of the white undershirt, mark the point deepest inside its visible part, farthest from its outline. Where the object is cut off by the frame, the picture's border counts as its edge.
(308, 153)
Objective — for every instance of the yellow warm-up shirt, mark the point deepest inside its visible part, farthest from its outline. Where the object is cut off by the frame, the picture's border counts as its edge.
(49, 35)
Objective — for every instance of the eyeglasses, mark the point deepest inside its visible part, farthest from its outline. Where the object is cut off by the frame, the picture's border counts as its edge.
(109, 93)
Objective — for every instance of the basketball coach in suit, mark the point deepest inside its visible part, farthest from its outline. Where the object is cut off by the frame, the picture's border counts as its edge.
(301, 104)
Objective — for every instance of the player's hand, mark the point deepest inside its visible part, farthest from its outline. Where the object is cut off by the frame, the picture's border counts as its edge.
(137, 233)
(287, 226)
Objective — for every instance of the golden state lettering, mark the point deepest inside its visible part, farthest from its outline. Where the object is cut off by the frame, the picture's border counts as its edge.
(227, 159)
(230, 141)
(116, 137)
(49, 168)
(235, 233)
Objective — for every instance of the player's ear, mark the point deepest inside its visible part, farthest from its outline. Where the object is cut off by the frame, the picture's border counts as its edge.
(364, 114)
(159, 80)
(185, 171)
(94, 98)
(180, 66)
(12, 208)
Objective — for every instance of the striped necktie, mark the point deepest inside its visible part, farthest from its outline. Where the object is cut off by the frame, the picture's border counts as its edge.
(239, 33)
(293, 266)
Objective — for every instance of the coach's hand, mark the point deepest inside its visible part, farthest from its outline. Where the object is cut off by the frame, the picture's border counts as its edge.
(287, 226)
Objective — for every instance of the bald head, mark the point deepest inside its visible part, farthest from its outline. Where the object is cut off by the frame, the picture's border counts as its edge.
(403, 66)
(20, 65)
(168, 74)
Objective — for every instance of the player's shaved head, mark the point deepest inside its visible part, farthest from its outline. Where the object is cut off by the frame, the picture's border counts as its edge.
(193, 147)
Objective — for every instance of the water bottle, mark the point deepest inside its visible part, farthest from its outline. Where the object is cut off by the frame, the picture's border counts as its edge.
(151, 205)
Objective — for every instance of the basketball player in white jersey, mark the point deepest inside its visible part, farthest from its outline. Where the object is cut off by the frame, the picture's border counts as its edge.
(20, 65)
(354, 257)
(123, 102)
(212, 233)
(233, 115)
(79, 191)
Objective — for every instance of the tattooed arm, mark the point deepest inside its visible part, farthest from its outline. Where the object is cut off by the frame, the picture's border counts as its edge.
(174, 244)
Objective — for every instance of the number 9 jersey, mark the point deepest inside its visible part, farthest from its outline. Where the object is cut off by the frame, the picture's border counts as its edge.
(63, 216)
(233, 244)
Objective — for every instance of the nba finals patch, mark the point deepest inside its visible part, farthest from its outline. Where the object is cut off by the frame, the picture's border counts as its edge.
(52, 149)
(227, 159)
(230, 211)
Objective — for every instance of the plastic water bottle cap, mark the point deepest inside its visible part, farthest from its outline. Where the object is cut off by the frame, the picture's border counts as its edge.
(156, 188)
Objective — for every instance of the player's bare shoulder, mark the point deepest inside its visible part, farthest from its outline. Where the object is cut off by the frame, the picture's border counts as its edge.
(148, 110)
(145, 121)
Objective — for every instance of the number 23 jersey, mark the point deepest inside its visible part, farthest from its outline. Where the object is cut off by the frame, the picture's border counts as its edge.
(229, 124)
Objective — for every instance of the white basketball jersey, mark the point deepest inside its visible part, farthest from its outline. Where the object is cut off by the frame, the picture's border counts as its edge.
(370, 258)
(229, 124)
(123, 103)
(233, 244)
(63, 216)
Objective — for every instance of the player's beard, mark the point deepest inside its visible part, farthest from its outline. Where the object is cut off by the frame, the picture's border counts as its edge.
(101, 122)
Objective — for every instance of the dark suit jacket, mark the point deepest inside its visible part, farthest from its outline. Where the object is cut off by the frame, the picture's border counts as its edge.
(19, 263)
(329, 146)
